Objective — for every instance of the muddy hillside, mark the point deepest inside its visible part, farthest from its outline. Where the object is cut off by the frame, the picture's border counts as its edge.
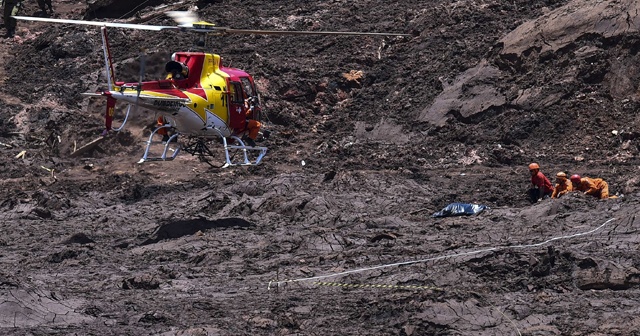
(333, 233)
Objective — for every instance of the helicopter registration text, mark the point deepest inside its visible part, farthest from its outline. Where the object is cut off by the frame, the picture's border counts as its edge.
(168, 103)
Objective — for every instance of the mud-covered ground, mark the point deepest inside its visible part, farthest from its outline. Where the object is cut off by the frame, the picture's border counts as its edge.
(343, 244)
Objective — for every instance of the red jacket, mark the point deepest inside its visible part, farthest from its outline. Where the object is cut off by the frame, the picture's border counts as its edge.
(541, 181)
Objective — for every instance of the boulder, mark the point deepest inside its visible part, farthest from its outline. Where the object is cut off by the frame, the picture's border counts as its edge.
(566, 24)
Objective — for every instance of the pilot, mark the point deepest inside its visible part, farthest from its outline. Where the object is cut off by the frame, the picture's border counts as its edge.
(176, 70)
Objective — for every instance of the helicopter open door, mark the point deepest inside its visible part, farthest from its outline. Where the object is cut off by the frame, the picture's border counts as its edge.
(252, 98)
(237, 110)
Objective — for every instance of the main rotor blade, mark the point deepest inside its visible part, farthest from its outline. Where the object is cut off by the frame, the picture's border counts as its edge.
(202, 27)
(183, 18)
(97, 23)
(190, 21)
(296, 32)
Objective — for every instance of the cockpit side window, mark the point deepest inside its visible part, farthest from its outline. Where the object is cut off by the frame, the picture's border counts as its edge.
(248, 87)
(236, 92)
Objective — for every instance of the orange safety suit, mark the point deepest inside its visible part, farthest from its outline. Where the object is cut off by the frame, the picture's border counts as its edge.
(252, 126)
(562, 187)
(161, 122)
(593, 186)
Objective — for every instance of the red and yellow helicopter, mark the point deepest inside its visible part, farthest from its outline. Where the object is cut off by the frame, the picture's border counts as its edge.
(201, 100)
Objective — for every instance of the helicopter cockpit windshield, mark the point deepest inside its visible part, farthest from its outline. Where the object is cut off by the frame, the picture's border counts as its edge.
(248, 87)
(251, 95)
(176, 70)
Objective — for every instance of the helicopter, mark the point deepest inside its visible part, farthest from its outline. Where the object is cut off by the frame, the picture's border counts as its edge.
(201, 100)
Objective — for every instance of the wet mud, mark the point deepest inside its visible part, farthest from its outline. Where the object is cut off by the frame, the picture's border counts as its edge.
(390, 130)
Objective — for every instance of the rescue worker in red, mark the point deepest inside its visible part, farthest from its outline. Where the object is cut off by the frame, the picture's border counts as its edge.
(563, 185)
(541, 186)
(590, 186)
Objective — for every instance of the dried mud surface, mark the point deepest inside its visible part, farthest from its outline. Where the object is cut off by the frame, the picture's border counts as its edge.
(344, 244)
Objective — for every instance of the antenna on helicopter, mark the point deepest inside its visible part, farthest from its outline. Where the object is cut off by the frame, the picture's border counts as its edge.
(183, 18)
(189, 20)
(202, 41)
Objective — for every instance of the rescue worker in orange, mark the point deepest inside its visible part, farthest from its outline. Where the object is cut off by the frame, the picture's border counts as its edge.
(563, 185)
(252, 126)
(541, 186)
(162, 121)
(590, 186)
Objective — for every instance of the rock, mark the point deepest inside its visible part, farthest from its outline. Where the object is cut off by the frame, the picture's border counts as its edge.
(42, 212)
(566, 24)
(409, 330)
(470, 93)
(78, 238)
(141, 282)
(601, 274)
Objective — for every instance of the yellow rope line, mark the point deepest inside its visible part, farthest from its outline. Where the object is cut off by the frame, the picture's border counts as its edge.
(347, 285)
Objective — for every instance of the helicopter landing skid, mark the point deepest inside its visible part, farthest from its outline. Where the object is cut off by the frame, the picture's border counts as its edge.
(167, 147)
(199, 147)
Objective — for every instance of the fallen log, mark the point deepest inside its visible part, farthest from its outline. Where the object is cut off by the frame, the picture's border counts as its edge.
(88, 147)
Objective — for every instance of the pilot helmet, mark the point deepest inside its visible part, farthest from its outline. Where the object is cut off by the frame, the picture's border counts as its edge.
(177, 67)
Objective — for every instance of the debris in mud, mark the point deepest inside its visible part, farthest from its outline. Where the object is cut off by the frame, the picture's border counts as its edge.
(384, 235)
(459, 209)
(6, 282)
(328, 176)
(141, 282)
(78, 238)
(154, 317)
(188, 227)
(42, 212)
(88, 147)
(353, 75)
(599, 275)
(52, 201)
(543, 268)
(63, 255)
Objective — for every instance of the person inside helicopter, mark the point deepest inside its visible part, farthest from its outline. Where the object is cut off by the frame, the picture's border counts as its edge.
(176, 70)
(252, 126)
